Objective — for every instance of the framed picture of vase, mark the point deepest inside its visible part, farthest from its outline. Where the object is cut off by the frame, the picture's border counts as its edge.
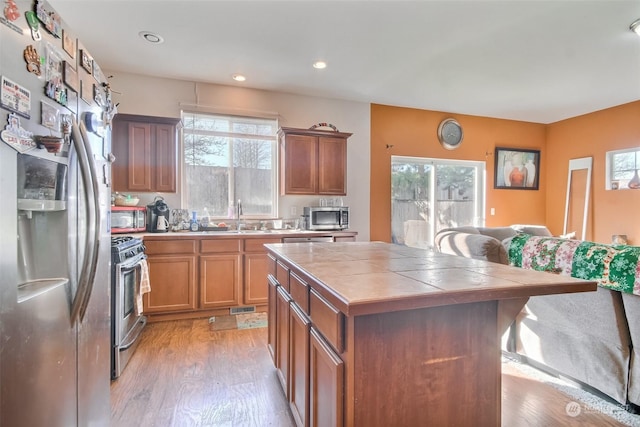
(516, 169)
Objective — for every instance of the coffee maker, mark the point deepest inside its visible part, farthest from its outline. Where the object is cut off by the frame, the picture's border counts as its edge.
(158, 216)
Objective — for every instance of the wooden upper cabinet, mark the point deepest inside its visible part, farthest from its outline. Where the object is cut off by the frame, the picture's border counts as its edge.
(138, 167)
(300, 172)
(165, 158)
(146, 153)
(332, 159)
(313, 161)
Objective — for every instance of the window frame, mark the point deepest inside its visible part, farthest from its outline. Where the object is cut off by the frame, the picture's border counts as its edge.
(479, 188)
(274, 156)
(610, 170)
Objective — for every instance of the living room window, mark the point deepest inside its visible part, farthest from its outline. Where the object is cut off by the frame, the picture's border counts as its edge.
(229, 158)
(622, 169)
(428, 195)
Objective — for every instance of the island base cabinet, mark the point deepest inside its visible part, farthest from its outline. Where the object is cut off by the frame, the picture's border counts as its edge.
(282, 338)
(326, 384)
(437, 363)
(299, 365)
(271, 317)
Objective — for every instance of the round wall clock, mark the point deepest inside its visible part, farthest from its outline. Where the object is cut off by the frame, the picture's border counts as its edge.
(450, 134)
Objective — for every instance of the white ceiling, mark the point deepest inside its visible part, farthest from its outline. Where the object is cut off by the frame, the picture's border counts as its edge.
(538, 60)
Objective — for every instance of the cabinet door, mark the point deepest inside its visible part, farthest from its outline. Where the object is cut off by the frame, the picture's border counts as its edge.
(139, 161)
(299, 365)
(282, 339)
(272, 325)
(145, 149)
(120, 149)
(300, 171)
(220, 278)
(164, 167)
(332, 165)
(326, 379)
(173, 284)
(256, 268)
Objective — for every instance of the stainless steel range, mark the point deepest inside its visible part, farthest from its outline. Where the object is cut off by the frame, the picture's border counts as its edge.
(127, 259)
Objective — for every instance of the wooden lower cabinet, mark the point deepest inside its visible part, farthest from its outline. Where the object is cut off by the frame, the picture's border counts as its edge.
(203, 276)
(299, 326)
(326, 380)
(256, 268)
(173, 280)
(220, 278)
(282, 338)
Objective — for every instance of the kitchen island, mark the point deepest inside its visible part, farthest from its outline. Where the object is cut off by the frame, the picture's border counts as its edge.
(375, 334)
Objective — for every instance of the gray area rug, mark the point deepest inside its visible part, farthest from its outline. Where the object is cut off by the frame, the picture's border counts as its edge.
(585, 401)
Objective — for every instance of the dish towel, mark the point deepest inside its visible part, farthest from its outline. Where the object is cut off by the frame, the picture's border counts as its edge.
(145, 285)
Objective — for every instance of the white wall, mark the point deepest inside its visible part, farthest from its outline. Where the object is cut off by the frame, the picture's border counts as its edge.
(164, 97)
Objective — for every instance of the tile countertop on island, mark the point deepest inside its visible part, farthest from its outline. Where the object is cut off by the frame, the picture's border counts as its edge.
(370, 277)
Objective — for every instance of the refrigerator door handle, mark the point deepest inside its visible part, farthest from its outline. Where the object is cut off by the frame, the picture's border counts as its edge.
(92, 238)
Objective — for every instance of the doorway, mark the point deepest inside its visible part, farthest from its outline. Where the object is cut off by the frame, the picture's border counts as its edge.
(429, 194)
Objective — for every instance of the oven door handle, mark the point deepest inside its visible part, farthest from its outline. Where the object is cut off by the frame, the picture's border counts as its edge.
(133, 337)
(130, 264)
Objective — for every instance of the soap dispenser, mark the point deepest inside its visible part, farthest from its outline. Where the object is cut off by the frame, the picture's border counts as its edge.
(194, 221)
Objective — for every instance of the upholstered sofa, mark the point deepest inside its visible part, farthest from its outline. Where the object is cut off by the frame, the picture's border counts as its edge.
(591, 338)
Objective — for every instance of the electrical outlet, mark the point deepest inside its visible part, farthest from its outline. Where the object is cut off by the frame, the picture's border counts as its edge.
(493, 211)
(294, 210)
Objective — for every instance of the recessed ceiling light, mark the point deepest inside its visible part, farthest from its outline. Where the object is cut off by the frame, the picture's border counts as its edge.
(635, 26)
(151, 37)
(239, 77)
(319, 65)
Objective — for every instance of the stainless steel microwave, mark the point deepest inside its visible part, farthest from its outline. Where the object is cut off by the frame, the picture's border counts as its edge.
(326, 217)
(128, 219)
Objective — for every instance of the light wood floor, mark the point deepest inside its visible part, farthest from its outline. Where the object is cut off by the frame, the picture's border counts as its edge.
(182, 374)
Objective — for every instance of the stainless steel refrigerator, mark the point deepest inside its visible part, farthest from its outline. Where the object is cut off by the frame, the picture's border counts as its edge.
(54, 224)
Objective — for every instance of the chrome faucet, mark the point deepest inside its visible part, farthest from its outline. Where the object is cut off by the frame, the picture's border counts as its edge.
(239, 213)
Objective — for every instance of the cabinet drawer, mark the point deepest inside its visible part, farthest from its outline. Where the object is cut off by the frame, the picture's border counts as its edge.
(257, 245)
(271, 267)
(169, 247)
(299, 291)
(212, 246)
(282, 275)
(327, 319)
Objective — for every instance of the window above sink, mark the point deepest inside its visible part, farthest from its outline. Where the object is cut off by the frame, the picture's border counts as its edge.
(228, 158)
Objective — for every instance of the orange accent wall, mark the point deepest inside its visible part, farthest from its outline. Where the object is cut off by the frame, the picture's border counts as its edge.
(592, 135)
(412, 132)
